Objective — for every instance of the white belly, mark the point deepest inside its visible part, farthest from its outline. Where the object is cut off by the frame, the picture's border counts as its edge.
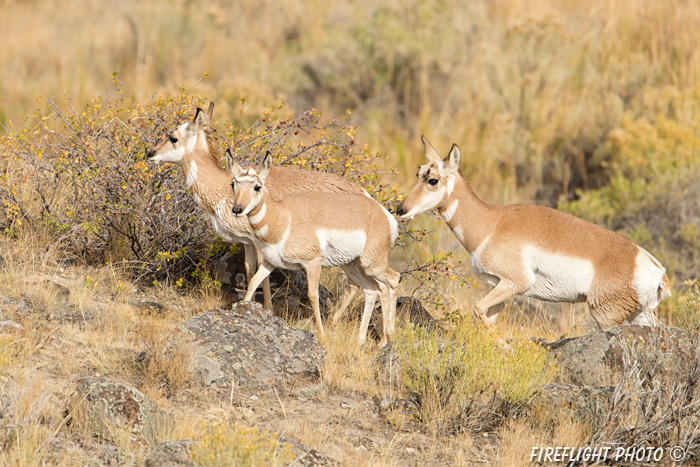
(340, 247)
(557, 277)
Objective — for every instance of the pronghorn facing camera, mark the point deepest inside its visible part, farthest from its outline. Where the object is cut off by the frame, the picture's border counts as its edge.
(540, 252)
(317, 230)
(189, 146)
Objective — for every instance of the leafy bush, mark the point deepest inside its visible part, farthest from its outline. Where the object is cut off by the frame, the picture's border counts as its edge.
(241, 447)
(464, 380)
(81, 177)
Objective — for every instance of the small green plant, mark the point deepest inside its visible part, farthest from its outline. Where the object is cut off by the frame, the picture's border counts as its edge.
(465, 379)
(688, 314)
(240, 447)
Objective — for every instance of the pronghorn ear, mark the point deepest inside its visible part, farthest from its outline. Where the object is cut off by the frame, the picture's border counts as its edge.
(228, 158)
(197, 122)
(452, 161)
(430, 150)
(209, 113)
(266, 166)
(233, 166)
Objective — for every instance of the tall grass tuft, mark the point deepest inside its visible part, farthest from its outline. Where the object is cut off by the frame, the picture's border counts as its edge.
(464, 380)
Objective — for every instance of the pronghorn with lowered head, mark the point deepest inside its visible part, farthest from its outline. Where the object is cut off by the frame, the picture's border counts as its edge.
(320, 230)
(189, 146)
(540, 252)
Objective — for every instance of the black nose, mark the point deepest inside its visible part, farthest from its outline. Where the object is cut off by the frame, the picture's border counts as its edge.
(236, 209)
(400, 211)
(151, 154)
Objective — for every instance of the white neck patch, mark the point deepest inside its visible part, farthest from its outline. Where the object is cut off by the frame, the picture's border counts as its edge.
(450, 211)
(192, 174)
(259, 216)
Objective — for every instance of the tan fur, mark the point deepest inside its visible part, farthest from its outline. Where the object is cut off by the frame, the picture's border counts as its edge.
(211, 185)
(294, 232)
(507, 231)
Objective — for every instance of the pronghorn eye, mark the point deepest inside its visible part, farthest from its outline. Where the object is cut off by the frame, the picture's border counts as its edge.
(433, 181)
(257, 187)
(172, 139)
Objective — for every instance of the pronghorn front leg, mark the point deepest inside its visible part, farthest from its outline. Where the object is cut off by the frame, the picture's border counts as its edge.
(253, 257)
(348, 295)
(264, 270)
(267, 295)
(313, 277)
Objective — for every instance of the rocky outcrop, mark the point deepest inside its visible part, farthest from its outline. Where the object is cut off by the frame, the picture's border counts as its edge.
(289, 288)
(102, 406)
(250, 347)
(171, 454)
(596, 359)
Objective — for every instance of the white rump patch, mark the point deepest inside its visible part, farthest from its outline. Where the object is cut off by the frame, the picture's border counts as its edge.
(450, 211)
(259, 216)
(557, 277)
(648, 278)
(192, 174)
(339, 247)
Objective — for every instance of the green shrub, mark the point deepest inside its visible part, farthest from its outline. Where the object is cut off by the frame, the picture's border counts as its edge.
(240, 447)
(688, 312)
(464, 380)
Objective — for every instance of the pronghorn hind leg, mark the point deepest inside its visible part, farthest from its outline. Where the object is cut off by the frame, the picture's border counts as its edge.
(388, 286)
(313, 276)
(264, 270)
(370, 300)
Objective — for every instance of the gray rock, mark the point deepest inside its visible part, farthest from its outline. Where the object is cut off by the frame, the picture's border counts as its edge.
(171, 454)
(387, 366)
(408, 309)
(249, 346)
(103, 405)
(583, 403)
(289, 288)
(306, 457)
(596, 359)
(10, 327)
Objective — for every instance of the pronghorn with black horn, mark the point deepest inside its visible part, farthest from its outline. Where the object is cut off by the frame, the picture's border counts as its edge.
(540, 252)
(189, 146)
(320, 230)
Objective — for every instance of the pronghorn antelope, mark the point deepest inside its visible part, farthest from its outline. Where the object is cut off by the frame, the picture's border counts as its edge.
(320, 230)
(540, 252)
(189, 146)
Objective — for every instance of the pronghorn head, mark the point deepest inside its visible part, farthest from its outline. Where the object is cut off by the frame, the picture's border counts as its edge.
(183, 139)
(436, 181)
(248, 184)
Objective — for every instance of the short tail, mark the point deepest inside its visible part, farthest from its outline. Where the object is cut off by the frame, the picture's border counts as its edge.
(664, 290)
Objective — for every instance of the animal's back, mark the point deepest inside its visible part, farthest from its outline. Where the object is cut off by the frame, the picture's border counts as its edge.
(288, 181)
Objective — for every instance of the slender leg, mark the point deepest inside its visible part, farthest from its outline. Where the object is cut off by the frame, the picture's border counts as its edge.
(313, 276)
(350, 290)
(502, 292)
(370, 300)
(263, 271)
(389, 293)
(267, 295)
